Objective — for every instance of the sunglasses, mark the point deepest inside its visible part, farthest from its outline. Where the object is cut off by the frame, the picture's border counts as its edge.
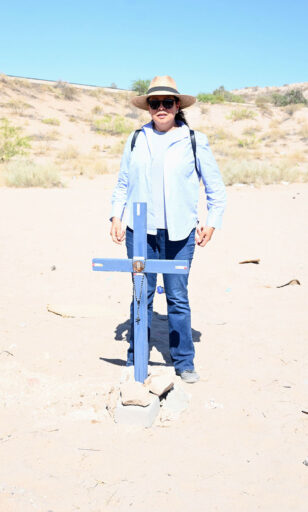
(167, 103)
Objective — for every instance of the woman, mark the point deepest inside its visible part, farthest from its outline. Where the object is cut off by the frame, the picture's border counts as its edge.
(162, 171)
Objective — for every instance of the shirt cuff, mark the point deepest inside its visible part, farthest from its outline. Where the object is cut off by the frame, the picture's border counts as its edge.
(214, 220)
(117, 210)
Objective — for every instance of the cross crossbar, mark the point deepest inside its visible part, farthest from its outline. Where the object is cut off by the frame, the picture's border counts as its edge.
(140, 266)
(151, 266)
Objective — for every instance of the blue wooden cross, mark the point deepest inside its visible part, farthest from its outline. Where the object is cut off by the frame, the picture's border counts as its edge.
(140, 266)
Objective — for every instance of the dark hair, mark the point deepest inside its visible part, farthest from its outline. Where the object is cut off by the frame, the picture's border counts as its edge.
(180, 116)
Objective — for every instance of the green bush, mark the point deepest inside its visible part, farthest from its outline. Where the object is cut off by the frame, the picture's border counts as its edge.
(239, 115)
(28, 174)
(291, 97)
(113, 125)
(219, 95)
(11, 143)
(209, 98)
(228, 96)
(51, 120)
(140, 86)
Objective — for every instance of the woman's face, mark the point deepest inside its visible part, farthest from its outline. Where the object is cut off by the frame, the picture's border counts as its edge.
(163, 116)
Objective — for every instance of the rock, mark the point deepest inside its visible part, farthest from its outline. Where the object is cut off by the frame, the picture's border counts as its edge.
(136, 415)
(135, 393)
(175, 403)
(159, 384)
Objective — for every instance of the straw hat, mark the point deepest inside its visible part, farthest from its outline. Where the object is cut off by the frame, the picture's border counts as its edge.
(163, 85)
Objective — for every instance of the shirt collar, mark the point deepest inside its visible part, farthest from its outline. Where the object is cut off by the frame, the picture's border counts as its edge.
(180, 133)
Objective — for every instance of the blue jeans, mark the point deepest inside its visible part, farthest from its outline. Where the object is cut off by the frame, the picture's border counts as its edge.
(180, 338)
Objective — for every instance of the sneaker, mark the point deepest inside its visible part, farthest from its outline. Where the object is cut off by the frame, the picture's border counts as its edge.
(189, 376)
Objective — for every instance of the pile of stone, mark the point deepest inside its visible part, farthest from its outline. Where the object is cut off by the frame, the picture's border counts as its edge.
(140, 404)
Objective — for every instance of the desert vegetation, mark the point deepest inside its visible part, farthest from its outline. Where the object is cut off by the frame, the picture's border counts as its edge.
(140, 86)
(220, 95)
(12, 143)
(51, 132)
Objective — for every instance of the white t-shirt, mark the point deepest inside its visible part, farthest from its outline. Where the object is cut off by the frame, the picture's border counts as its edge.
(161, 141)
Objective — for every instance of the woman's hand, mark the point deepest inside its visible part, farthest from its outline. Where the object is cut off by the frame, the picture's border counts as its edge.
(116, 231)
(204, 235)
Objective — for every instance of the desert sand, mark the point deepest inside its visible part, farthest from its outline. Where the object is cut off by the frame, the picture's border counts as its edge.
(241, 443)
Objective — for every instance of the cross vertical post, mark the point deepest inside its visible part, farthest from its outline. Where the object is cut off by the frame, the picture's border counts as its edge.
(139, 266)
(141, 347)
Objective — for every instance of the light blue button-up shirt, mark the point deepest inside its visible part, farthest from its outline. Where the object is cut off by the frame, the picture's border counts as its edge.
(181, 182)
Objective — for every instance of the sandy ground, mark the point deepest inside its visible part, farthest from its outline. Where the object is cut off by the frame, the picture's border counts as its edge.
(60, 450)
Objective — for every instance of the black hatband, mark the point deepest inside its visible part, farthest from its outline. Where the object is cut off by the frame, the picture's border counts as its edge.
(162, 88)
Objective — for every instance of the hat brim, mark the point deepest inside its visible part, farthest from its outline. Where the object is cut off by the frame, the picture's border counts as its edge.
(141, 101)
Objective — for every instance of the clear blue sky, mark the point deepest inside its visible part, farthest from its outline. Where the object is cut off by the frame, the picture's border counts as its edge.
(202, 44)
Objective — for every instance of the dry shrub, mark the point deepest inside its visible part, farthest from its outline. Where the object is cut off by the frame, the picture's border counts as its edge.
(47, 88)
(68, 153)
(41, 148)
(96, 93)
(89, 165)
(251, 130)
(97, 110)
(117, 148)
(295, 107)
(49, 136)
(248, 142)
(262, 172)
(28, 174)
(275, 123)
(295, 157)
(133, 114)
(274, 135)
(263, 103)
(224, 150)
(18, 107)
(203, 108)
(67, 92)
(227, 151)
(3, 78)
(26, 84)
(220, 134)
(303, 132)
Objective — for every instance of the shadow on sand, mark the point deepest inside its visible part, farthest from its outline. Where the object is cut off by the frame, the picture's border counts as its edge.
(159, 339)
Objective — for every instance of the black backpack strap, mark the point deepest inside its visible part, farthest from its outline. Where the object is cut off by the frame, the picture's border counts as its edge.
(194, 147)
(134, 139)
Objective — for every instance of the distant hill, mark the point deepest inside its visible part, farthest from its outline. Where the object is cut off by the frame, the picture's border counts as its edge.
(82, 129)
(250, 93)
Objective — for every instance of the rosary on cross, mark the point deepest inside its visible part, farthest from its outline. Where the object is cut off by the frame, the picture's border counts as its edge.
(140, 266)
